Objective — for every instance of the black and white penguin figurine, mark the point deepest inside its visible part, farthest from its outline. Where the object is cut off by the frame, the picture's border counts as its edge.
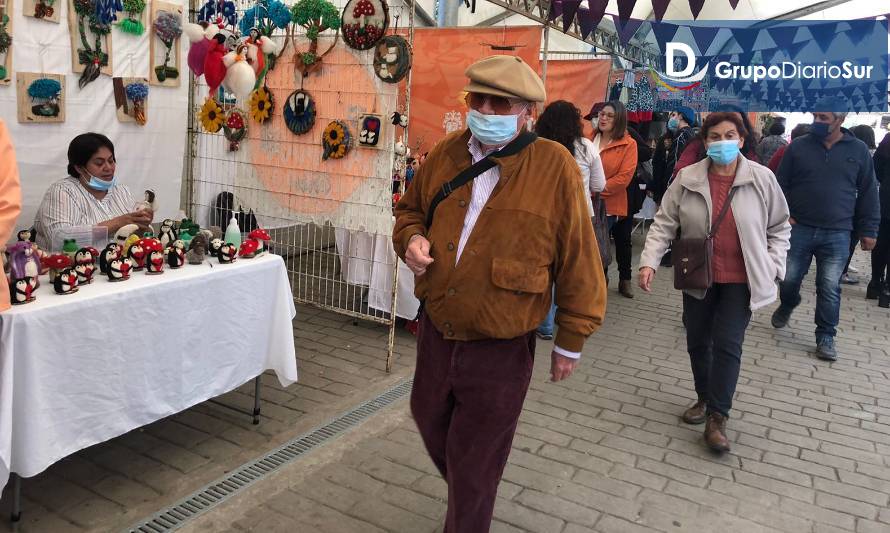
(166, 234)
(85, 273)
(107, 255)
(66, 281)
(226, 253)
(175, 257)
(213, 247)
(118, 270)
(20, 291)
(137, 254)
(155, 262)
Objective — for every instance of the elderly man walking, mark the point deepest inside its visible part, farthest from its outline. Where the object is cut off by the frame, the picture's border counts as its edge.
(494, 217)
(829, 182)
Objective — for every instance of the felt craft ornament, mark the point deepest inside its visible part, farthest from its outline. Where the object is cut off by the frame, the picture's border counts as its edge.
(399, 119)
(137, 93)
(133, 23)
(316, 17)
(235, 128)
(299, 112)
(392, 59)
(211, 115)
(66, 281)
(336, 141)
(261, 104)
(5, 45)
(259, 24)
(97, 16)
(56, 263)
(262, 237)
(119, 269)
(41, 9)
(45, 94)
(168, 28)
(200, 37)
(369, 134)
(21, 291)
(155, 263)
(219, 13)
(227, 253)
(364, 23)
(22, 261)
(240, 79)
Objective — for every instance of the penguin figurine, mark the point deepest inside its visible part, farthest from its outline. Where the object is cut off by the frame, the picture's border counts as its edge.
(84, 256)
(85, 273)
(109, 254)
(175, 257)
(167, 234)
(66, 281)
(118, 269)
(137, 254)
(20, 291)
(155, 263)
(214, 246)
(226, 253)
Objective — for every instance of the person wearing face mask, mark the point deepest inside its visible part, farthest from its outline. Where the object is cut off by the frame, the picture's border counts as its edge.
(740, 206)
(829, 181)
(486, 254)
(90, 195)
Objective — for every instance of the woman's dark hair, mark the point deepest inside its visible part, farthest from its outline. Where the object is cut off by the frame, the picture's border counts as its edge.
(865, 134)
(619, 127)
(776, 128)
(884, 147)
(560, 122)
(723, 116)
(750, 141)
(83, 148)
(799, 131)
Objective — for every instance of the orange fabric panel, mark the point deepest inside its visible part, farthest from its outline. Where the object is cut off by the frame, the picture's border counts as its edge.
(440, 57)
(580, 81)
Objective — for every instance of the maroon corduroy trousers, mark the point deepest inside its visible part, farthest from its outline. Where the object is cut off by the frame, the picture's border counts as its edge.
(466, 401)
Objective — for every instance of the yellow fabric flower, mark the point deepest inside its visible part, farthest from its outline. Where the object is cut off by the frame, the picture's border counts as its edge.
(261, 104)
(335, 140)
(211, 115)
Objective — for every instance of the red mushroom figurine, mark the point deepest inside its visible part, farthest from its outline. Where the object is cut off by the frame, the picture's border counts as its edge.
(150, 244)
(262, 237)
(249, 248)
(56, 263)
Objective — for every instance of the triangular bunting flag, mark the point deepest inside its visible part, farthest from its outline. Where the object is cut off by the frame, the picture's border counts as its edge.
(859, 30)
(704, 36)
(626, 29)
(659, 7)
(745, 37)
(783, 37)
(663, 32)
(555, 10)
(745, 59)
(569, 8)
(625, 8)
(796, 49)
(695, 6)
(824, 34)
(734, 3)
(589, 19)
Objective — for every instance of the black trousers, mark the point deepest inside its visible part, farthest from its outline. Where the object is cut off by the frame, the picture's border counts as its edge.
(715, 331)
(621, 231)
(880, 256)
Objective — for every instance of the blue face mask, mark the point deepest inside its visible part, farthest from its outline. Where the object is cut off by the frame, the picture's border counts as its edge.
(100, 185)
(492, 130)
(820, 129)
(724, 152)
(673, 124)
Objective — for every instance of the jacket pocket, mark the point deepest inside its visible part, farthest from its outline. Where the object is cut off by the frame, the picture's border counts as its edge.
(518, 277)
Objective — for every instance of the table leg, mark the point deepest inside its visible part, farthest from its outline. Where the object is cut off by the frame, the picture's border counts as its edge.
(256, 400)
(16, 499)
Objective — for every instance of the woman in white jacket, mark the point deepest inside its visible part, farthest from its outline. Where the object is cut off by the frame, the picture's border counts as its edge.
(561, 122)
(749, 250)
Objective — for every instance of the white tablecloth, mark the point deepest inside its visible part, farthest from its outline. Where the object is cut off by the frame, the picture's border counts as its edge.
(83, 368)
(368, 260)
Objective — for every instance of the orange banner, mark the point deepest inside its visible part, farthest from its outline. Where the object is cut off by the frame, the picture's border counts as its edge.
(582, 82)
(440, 57)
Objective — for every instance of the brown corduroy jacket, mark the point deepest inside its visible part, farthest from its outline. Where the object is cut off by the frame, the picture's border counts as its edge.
(535, 230)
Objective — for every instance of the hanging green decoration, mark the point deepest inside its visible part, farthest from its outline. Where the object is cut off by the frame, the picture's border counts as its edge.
(315, 16)
(133, 23)
(91, 57)
(45, 94)
(5, 43)
(168, 28)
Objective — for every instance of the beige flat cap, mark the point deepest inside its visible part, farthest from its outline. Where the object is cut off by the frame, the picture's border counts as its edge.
(507, 76)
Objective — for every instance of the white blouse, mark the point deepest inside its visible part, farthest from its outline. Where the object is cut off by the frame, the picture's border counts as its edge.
(588, 159)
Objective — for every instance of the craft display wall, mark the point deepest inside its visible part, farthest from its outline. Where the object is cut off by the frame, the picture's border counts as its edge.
(149, 156)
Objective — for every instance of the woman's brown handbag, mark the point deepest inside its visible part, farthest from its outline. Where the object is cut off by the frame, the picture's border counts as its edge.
(693, 258)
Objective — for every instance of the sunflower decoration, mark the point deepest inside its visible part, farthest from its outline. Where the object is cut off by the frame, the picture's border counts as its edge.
(261, 104)
(336, 140)
(235, 128)
(211, 116)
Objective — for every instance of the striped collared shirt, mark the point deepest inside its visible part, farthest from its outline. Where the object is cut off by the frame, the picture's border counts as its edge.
(67, 204)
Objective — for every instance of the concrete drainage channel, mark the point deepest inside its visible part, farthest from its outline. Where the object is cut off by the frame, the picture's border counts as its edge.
(220, 490)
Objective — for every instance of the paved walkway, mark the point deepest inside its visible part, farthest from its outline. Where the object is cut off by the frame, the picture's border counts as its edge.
(603, 451)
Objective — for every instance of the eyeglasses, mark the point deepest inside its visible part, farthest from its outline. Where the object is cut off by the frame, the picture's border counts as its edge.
(606, 115)
(499, 104)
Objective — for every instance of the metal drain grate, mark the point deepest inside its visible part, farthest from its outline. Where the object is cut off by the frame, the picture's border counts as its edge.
(216, 492)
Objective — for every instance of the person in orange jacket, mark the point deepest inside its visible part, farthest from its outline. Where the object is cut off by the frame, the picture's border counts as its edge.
(10, 201)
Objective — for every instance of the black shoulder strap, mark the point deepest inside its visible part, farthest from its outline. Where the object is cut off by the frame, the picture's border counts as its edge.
(726, 206)
(469, 174)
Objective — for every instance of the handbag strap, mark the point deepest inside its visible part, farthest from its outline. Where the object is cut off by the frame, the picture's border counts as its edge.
(726, 206)
(470, 173)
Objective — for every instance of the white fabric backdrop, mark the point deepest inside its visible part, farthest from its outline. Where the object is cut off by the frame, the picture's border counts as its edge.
(80, 369)
(149, 156)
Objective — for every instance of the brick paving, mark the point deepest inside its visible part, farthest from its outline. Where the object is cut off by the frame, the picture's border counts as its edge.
(604, 451)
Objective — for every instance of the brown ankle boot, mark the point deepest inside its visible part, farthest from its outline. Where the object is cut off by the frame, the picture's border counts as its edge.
(715, 433)
(625, 287)
(696, 413)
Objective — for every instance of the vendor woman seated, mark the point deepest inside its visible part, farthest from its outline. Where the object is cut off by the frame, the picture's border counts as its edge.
(89, 196)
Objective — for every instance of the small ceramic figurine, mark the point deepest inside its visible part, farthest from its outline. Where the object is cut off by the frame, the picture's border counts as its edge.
(262, 237)
(85, 273)
(226, 253)
(197, 249)
(118, 269)
(56, 263)
(22, 261)
(248, 248)
(215, 245)
(109, 254)
(175, 256)
(167, 234)
(66, 281)
(155, 263)
(69, 248)
(137, 254)
(21, 291)
(26, 235)
(148, 202)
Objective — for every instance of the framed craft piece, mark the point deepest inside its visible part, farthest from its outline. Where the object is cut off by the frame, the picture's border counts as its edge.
(47, 10)
(299, 112)
(392, 59)
(5, 42)
(336, 140)
(369, 130)
(133, 17)
(316, 17)
(90, 39)
(40, 97)
(164, 54)
(130, 99)
(364, 23)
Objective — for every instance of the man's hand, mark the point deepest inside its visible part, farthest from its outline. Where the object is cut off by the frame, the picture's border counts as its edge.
(646, 276)
(143, 217)
(561, 367)
(792, 221)
(417, 256)
(867, 243)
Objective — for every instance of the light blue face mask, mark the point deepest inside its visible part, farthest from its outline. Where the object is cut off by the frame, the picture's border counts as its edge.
(492, 130)
(673, 124)
(99, 184)
(724, 152)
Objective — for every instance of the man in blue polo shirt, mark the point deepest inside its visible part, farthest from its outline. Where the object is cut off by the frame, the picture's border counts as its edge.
(829, 182)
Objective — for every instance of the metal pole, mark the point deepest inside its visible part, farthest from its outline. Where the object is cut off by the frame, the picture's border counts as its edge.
(256, 400)
(16, 498)
(546, 50)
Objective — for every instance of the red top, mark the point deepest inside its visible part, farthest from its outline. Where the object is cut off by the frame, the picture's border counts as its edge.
(729, 263)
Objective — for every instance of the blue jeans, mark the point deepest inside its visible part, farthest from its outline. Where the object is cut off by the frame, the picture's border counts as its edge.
(546, 327)
(831, 249)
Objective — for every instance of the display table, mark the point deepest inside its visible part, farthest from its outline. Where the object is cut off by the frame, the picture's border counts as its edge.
(79, 369)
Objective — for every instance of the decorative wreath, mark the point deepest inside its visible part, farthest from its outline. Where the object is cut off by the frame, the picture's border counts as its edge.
(392, 59)
(211, 115)
(235, 128)
(336, 140)
(261, 104)
(364, 22)
(299, 112)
